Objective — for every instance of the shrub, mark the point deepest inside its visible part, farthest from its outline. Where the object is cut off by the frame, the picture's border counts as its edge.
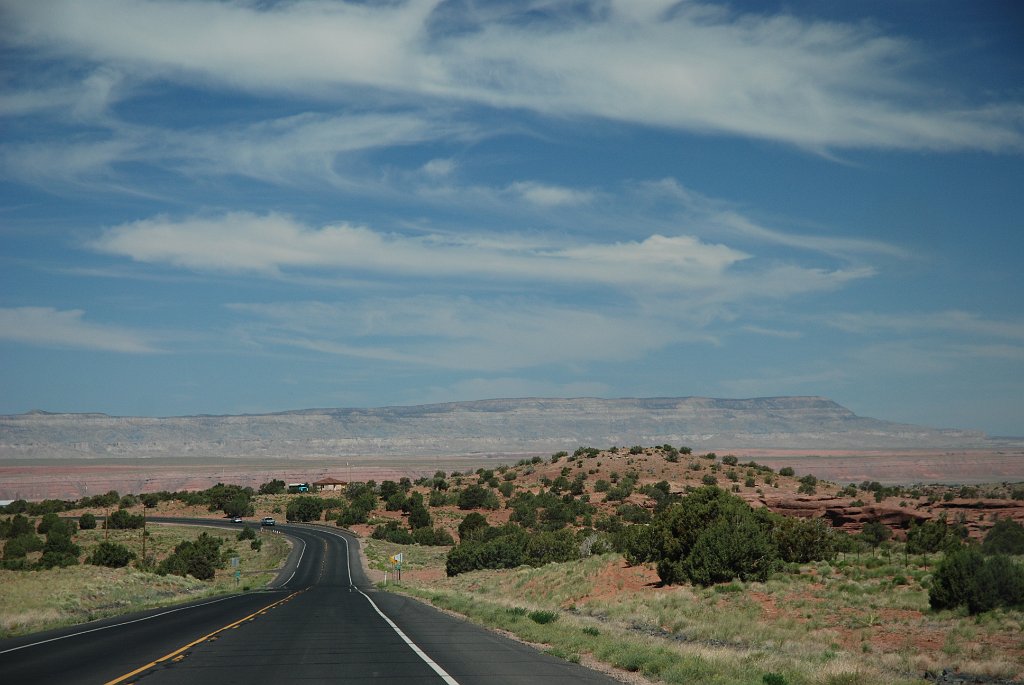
(730, 460)
(875, 533)
(198, 558)
(510, 546)
(1005, 537)
(786, 471)
(419, 517)
(543, 617)
(394, 532)
(932, 536)
(123, 519)
(967, 578)
(17, 548)
(712, 536)
(16, 526)
(304, 508)
(59, 550)
(246, 533)
(273, 487)
(111, 554)
(803, 540)
(709, 480)
(46, 522)
(638, 544)
(473, 497)
(87, 521)
(432, 536)
(471, 525)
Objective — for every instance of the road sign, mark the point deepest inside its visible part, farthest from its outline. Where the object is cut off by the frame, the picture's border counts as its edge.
(235, 561)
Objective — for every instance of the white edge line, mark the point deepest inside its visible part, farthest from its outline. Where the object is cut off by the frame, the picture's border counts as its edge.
(412, 645)
(162, 613)
(297, 563)
(118, 625)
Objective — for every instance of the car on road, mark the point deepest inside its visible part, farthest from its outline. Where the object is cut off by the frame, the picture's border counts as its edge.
(268, 521)
(236, 519)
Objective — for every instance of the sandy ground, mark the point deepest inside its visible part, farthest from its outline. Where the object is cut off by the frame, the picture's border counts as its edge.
(34, 480)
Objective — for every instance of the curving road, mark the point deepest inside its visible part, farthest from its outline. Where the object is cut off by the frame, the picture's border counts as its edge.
(322, 621)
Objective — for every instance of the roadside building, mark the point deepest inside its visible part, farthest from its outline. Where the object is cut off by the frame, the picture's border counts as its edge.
(330, 484)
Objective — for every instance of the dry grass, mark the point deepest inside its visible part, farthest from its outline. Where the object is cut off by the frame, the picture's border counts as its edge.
(838, 623)
(37, 600)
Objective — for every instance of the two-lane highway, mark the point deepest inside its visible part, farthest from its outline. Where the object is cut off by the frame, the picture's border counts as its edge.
(323, 623)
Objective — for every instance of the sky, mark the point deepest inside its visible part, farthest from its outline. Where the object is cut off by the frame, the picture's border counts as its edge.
(255, 206)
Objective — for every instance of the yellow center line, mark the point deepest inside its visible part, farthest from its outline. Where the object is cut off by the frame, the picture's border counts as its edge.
(178, 652)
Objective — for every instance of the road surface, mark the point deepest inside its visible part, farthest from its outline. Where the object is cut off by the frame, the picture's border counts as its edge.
(321, 622)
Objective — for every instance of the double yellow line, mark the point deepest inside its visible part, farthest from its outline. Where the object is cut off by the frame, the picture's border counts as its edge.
(204, 638)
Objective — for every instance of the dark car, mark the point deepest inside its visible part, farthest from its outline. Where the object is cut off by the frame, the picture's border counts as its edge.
(268, 521)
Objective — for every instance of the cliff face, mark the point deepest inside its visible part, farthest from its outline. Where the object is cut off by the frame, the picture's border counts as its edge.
(487, 426)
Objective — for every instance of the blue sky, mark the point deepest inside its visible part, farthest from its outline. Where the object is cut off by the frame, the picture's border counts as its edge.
(228, 207)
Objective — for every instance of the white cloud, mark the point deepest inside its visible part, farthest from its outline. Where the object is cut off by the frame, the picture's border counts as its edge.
(549, 195)
(462, 333)
(275, 244)
(720, 216)
(950, 321)
(67, 329)
(488, 388)
(688, 66)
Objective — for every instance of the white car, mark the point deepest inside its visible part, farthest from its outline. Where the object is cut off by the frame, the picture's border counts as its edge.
(268, 521)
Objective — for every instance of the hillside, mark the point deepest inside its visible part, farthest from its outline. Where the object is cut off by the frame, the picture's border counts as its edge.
(504, 426)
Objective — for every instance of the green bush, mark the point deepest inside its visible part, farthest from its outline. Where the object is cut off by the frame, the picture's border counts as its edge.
(59, 550)
(786, 471)
(510, 546)
(304, 508)
(111, 554)
(419, 517)
(1005, 537)
(393, 531)
(967, 578)
(247, 533)
(87, 521)
(543, 617)
(803, 540)
(273, 487)
(712, 536)
(432, 536)
(46, 522)
(17, 548)
(199, 558)
(16, 526)
(471, 524)
(933, 536)
(123, 519)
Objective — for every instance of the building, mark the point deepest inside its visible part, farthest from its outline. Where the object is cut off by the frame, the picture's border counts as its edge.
(330, 484)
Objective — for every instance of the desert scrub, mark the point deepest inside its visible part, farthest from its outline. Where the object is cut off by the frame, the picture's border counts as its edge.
(667, 660)
(36, 600)
(379, 552)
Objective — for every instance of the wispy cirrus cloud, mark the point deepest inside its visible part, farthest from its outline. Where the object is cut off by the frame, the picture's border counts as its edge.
(689, 66)
(949, 321)
(51, 327)
(460, 332)
(275, 244)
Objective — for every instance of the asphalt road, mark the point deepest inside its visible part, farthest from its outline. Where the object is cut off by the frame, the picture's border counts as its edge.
(321, 622)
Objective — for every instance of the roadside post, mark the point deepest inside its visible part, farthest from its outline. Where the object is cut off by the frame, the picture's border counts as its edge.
(396, 563)
(235, 561)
